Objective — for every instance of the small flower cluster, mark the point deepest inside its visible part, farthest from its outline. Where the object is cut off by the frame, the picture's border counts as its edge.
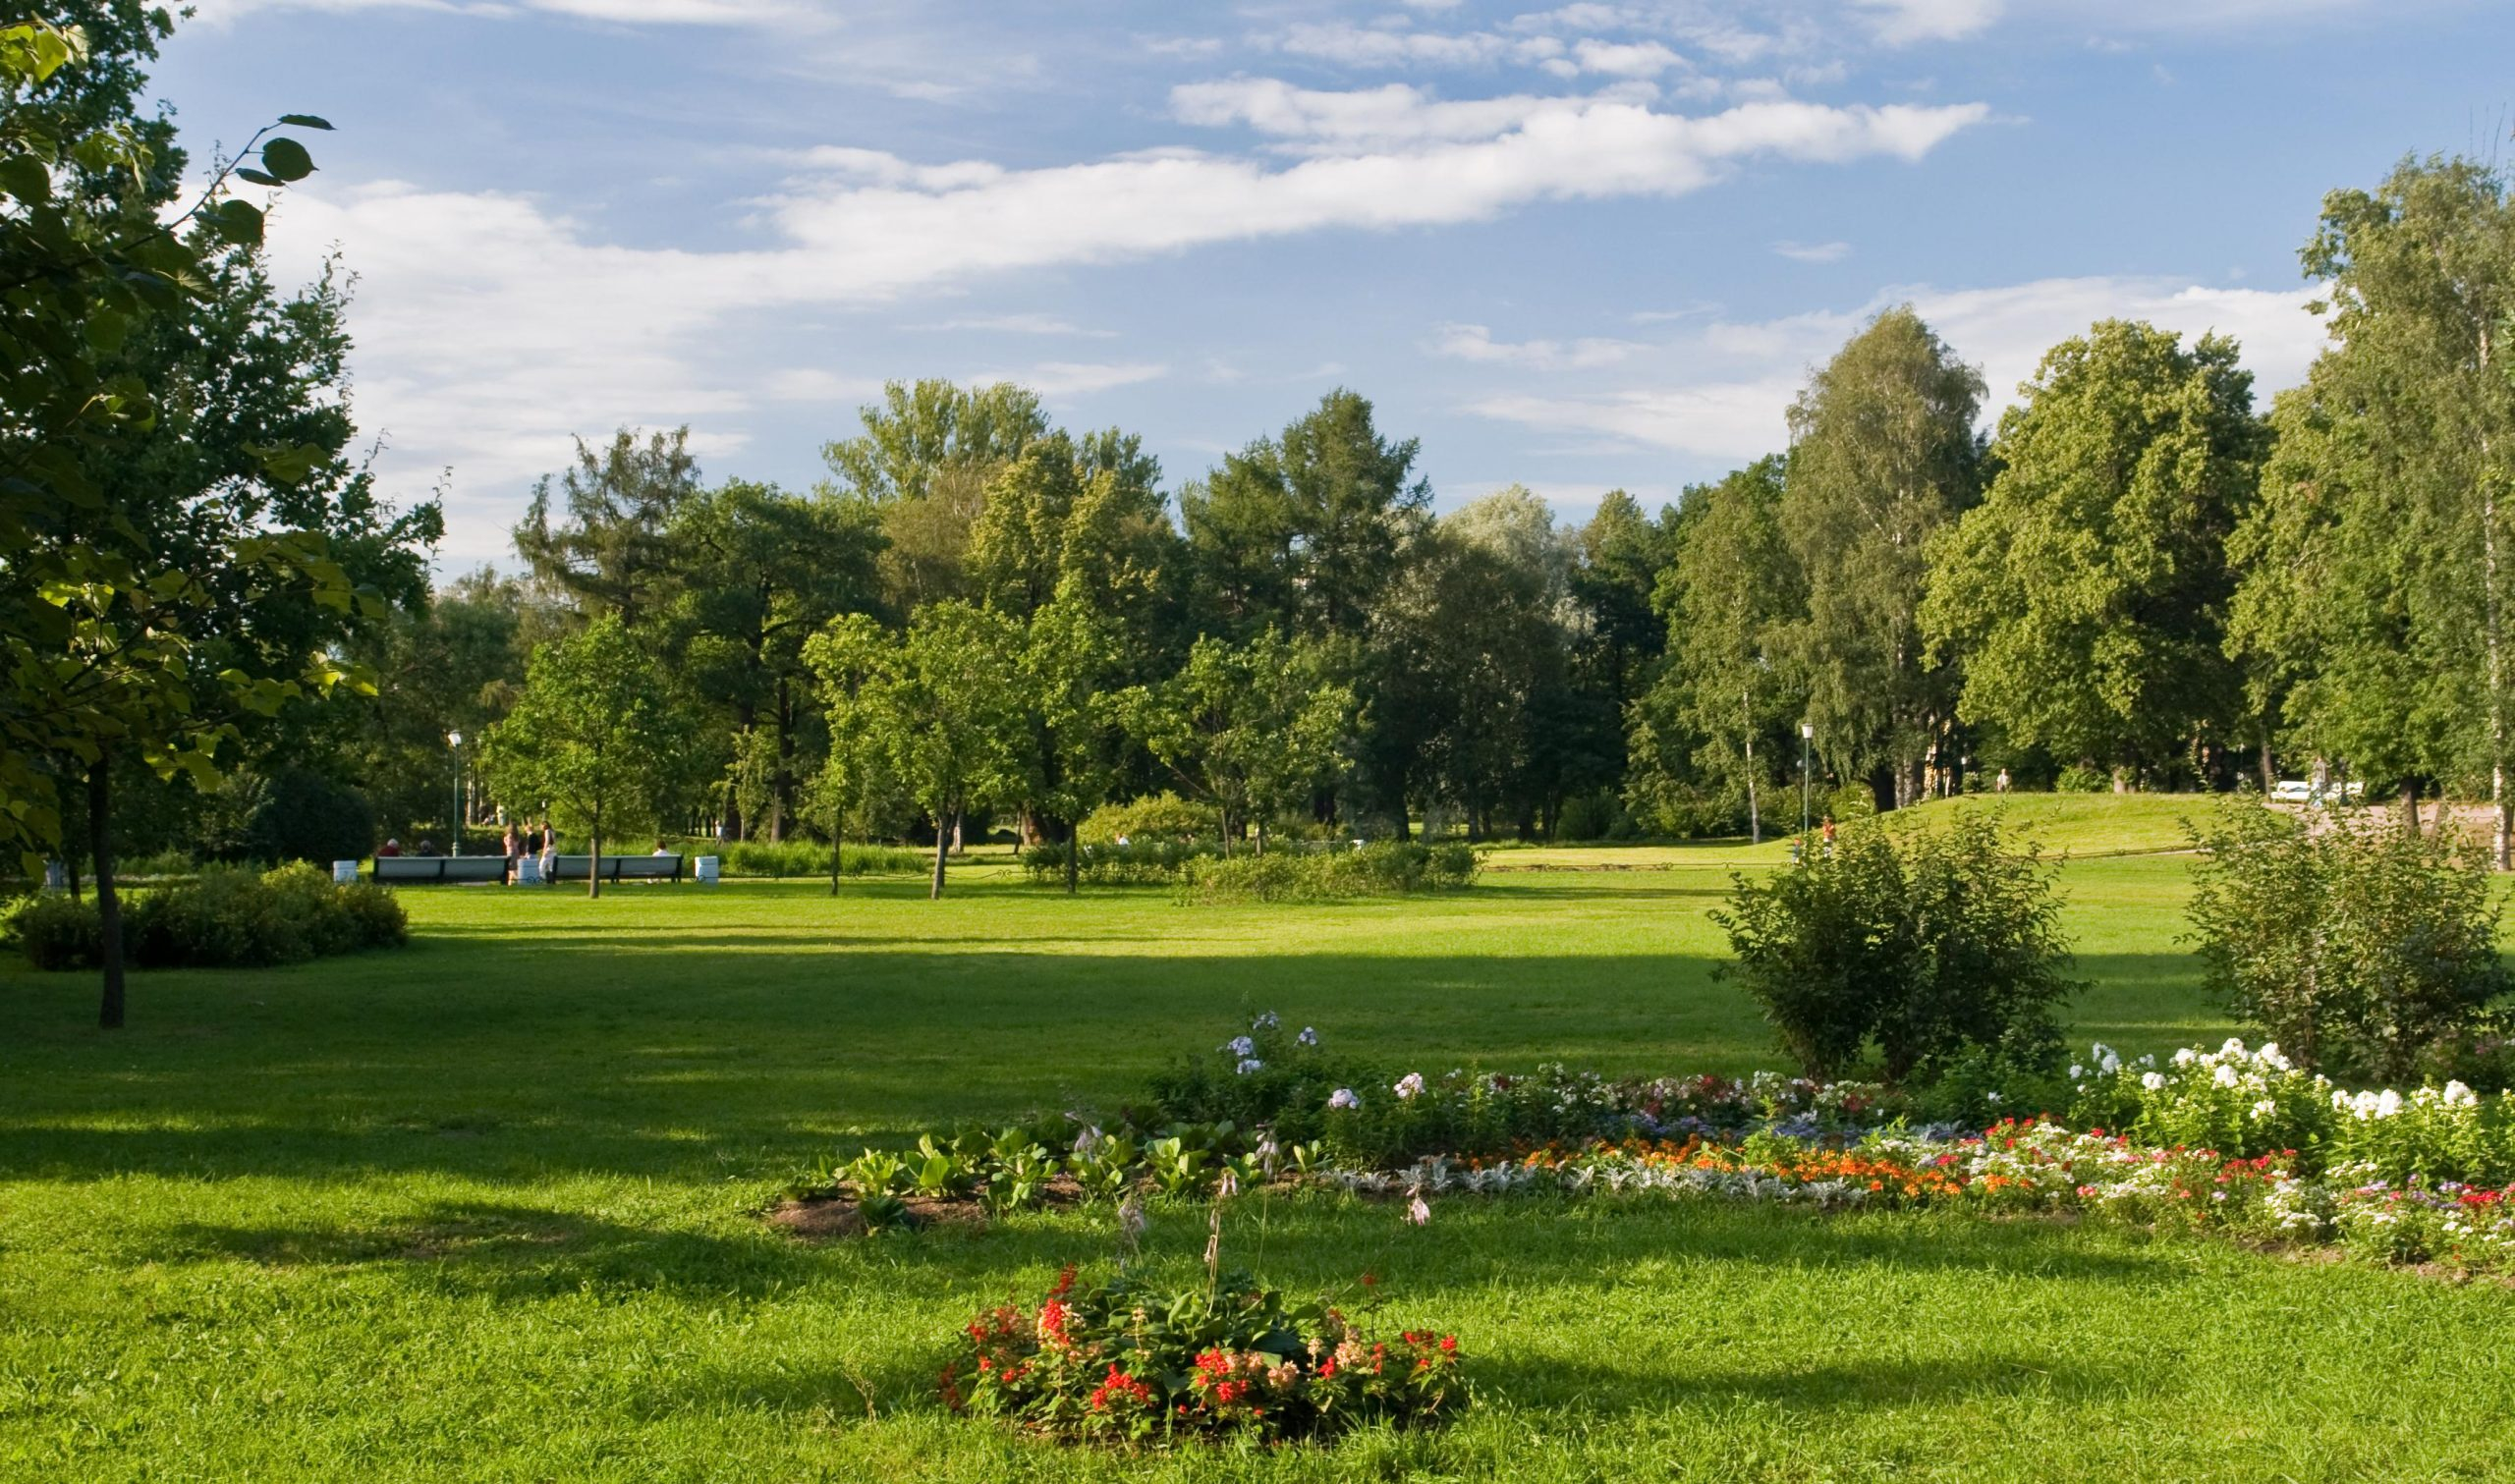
(1115, 1363)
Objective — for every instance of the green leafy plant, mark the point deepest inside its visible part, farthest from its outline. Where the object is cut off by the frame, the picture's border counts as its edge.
(1122, 1364)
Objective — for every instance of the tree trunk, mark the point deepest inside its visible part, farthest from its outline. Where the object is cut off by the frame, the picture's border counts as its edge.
(1261, 835)
(593, 862)
(1073, 859)
(1754, 820)
(2410, 805)
(942, 845)
(2269, 765)
(100, 845)
(837, 845)
(781, 796)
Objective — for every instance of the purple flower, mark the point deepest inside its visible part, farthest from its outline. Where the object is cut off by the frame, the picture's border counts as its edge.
(1343, 1097)
(1248, 1065)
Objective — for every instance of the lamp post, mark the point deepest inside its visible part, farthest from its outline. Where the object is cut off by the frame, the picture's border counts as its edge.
(454, 740)
(1807, 738)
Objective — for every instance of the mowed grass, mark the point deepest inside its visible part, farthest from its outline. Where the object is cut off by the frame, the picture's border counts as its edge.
(484, 1209)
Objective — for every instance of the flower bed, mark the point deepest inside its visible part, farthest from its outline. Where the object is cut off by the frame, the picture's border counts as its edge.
(1118, 1363)
(2233, 1140)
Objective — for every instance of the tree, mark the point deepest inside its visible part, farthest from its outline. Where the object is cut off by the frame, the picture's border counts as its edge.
(2376, 571)
(610, 546)
(1303, 531)
(1882, 454)
(2088, 592)
(1249, 730)
(925, 460)
(1074, 724)
(595, 735)
(757, 572)
(1729, 600)
(940, 702)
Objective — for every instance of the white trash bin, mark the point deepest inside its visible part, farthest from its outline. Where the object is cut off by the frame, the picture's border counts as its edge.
(528, 870)
(707, 871)
(343, 873)
(56, 876)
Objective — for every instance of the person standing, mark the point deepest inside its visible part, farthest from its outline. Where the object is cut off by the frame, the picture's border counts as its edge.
(2001, 785)
(1828, 833)
(550, 854)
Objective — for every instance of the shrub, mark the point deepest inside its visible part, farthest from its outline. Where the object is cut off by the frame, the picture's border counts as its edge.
(1153, 817)
(1387, 867)
(229, 918)
(1142, 862)
(1921, 946)
(1595, 815)
(2079, 779)
(2358, 945)
(779, 860)
(1118, 1362)
(55, 932)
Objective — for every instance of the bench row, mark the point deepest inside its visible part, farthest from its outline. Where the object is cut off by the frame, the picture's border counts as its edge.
(421, 870)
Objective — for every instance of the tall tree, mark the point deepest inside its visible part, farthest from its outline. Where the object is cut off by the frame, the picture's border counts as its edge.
(2378, 570)
(596, 735)
(1723, 707)
(1882, 454)
(1251, 730)
(943, 702)
(759, 571)
(925, 459)
(608, 543)
(1303, 531)
(2088, 592)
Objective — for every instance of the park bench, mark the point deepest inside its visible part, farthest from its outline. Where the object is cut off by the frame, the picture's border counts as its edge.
(427, 870)
(618, 867)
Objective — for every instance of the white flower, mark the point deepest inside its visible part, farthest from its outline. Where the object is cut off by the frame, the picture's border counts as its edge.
(2225, 1077)
(2233, 1048)
(2077, 1071)
(1248, 1065)
(1267, 1021)
(1131, 1219)
(1992, 1098)
(2459, 1096)
(1087, 1141)
(1227, 1186)
(2265, 1108)
(1410, 1086)
(2388, 1105)
(2186, 1057)
(1308, 1035)
(2269, 1055)
(2153, 1080)
(2106, 1060)
(1240, 1046)
(1419, 1212)
(1343, 1097)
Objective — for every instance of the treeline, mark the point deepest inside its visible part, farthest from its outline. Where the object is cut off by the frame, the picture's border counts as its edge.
(2136, 580)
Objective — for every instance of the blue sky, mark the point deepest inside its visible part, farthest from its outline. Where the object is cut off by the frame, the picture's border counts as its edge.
(1577, 247)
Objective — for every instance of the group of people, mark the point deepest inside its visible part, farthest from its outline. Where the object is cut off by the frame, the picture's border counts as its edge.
(542, 842)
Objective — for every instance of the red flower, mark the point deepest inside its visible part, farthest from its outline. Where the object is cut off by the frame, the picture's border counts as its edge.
(1450, 1344)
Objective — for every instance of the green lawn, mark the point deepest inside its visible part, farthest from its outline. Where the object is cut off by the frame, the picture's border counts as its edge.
(481, 1210)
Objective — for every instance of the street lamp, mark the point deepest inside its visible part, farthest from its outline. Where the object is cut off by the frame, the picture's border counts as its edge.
(1807, 737)
(454, 740)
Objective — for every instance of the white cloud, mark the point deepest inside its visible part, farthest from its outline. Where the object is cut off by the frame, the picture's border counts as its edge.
(1631, 59)
(1813, 253)
(1074, 378)
(750, 12)
(1477, 343)
(1901, 22)
(489, 328)
(1351, 46)
(875, 226)
(1732, 382)
(1019, 324)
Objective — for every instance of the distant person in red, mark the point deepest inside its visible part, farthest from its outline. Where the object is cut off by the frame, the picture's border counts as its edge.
(1829, 834)
(389, 849)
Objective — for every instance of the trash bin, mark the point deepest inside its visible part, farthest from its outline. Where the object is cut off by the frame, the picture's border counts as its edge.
(343, 873)
(528, 870)
(56, 876)
(708, 870)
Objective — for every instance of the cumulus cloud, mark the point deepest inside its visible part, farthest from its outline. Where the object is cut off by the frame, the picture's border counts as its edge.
(1731, 382)
(1813, 253)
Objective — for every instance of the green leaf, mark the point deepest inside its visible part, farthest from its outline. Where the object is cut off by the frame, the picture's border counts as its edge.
(286, 158)
(289, 465)
(240, 222)
(23, 176)
(304, 121)
(257, 177)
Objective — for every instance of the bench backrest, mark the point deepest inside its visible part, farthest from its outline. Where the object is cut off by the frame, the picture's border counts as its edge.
(618, 867)
(423, 870)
